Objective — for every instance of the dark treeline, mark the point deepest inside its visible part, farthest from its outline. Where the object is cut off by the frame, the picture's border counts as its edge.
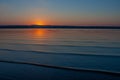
(50, 26)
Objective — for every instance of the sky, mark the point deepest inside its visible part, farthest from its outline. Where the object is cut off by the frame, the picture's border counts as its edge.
(60, 12)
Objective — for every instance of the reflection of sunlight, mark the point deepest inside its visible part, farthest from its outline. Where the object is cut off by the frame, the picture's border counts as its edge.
(40, 35)
(39, 32)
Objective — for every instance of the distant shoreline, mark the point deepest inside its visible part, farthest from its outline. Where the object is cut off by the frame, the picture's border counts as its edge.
(57, 27)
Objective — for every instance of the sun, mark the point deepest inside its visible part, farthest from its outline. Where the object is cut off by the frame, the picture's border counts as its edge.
(39, 23)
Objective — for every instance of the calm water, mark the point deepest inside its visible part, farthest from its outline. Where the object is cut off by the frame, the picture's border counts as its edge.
(99, 42)
(87, 49)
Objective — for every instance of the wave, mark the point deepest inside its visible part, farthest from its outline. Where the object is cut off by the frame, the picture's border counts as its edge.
(77, 46)
(64, 68)
(40, 45)
(53, 53)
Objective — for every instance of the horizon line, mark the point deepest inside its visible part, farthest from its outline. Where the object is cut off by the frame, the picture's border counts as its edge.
(57, 27)
(60, 25)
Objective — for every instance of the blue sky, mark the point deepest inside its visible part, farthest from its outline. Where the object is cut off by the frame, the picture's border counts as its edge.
(60, 12)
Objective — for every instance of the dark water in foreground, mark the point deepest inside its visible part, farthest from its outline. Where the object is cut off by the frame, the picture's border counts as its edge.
(59, 54)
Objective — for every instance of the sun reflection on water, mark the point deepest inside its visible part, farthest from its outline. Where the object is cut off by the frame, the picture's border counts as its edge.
(39, 32)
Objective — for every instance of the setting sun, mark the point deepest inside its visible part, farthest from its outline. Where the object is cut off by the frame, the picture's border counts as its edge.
(39, 23)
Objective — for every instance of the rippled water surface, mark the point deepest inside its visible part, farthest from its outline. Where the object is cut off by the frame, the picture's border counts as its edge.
(89, 50)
